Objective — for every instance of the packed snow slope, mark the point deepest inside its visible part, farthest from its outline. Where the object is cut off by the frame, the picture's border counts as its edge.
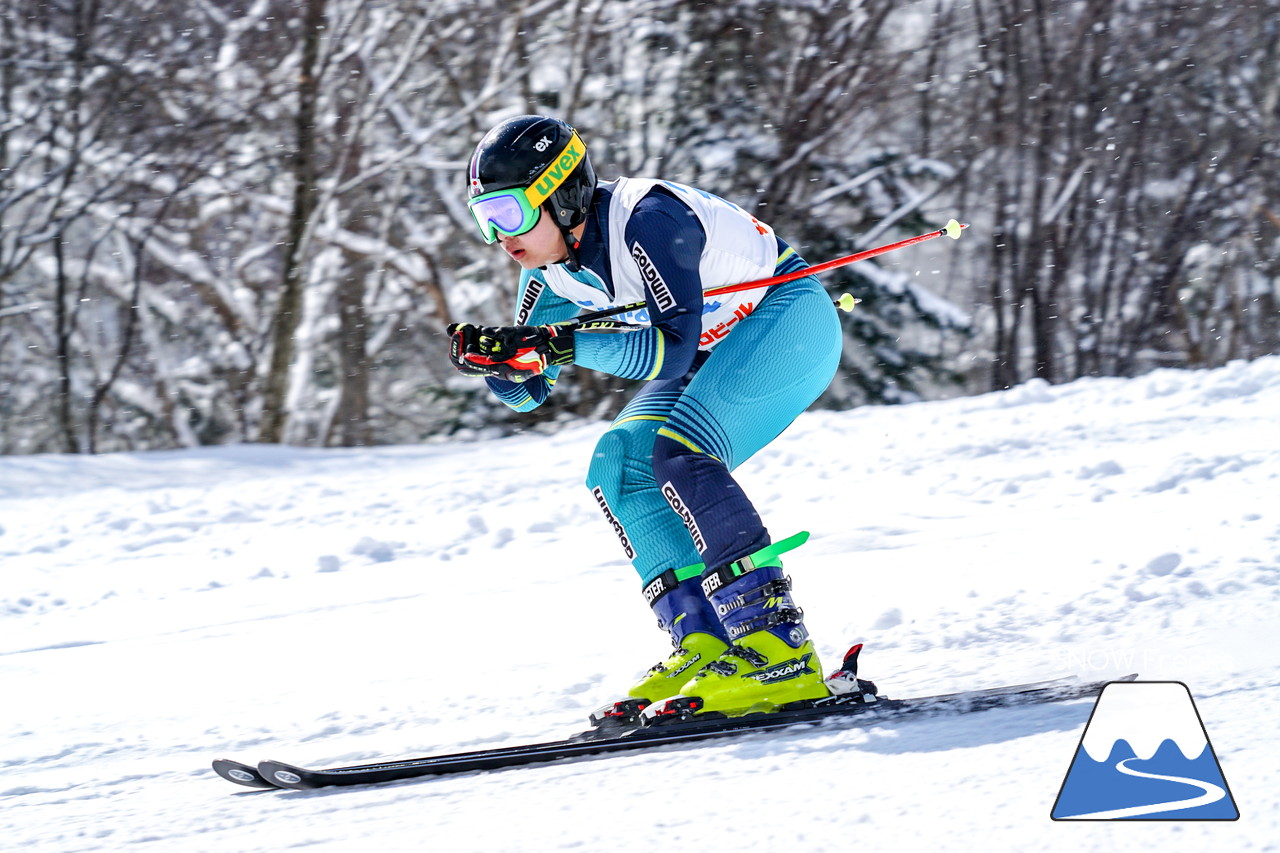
(331, 607)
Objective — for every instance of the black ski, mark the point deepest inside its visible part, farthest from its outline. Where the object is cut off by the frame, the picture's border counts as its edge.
(836, 711)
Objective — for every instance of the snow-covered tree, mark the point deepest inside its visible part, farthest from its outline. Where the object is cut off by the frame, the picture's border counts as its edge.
(222, 221)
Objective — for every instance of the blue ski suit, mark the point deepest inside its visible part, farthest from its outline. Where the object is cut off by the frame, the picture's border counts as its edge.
(725, 375)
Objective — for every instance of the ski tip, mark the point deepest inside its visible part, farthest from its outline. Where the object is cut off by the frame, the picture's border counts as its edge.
(953, 229)
(284, 775)
(241, 774)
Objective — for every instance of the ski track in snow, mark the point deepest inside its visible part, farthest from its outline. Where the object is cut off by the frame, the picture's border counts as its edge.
(329, 607)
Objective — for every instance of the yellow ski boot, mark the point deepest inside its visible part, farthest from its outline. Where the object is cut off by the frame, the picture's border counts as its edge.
(696, 633)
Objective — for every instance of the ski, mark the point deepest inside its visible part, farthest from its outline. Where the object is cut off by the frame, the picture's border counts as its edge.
(834, 712)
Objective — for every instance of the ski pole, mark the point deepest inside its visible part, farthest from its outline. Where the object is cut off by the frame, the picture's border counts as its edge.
(846, 301)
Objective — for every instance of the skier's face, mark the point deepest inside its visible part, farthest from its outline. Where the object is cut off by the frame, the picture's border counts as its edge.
(538, 247)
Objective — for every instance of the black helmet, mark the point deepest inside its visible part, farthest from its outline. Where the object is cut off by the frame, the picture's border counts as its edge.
(542, 154)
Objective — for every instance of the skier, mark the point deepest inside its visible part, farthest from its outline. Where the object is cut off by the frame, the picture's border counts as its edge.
(724, 376)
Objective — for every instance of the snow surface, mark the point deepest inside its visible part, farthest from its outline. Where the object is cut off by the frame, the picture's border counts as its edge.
(329, 607)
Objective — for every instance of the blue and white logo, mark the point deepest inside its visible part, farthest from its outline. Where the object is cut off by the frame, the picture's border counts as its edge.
(1145, 755)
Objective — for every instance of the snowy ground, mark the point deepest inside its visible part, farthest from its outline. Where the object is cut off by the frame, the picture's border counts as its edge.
(160, 610)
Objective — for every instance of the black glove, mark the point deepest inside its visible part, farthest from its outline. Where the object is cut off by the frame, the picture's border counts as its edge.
(464, 342)
(515, 353)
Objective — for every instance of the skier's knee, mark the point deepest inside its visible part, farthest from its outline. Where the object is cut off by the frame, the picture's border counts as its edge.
(609, 464)
(602, 473)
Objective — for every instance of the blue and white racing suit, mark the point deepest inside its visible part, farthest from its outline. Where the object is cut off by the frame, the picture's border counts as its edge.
(725, 375)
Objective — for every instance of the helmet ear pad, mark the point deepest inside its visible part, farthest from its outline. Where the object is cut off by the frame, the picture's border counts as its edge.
(571, 201)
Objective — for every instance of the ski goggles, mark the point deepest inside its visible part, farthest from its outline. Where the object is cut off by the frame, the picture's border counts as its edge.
(508, 212)
(514, 211)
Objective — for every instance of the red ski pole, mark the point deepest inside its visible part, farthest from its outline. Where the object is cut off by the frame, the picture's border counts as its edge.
(952, 229)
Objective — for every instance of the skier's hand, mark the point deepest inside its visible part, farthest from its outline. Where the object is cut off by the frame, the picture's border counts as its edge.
(515, 353)
(528, 348)
(464, 345)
